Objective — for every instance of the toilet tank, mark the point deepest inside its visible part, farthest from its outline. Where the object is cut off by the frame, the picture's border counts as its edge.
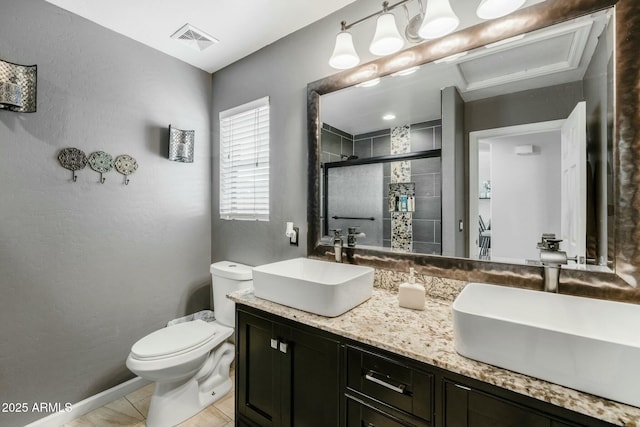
(227, 277)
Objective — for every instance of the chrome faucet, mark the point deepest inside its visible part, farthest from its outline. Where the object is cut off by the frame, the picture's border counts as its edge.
(337, 244)
(352, 236)
(551, 258)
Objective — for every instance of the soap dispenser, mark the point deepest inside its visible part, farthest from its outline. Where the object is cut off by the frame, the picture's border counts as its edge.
(411, 295)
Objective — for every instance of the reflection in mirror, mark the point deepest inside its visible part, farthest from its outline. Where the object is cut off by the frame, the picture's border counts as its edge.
(525, 131)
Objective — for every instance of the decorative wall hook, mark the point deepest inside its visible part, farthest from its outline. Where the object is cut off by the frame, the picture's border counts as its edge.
(73, 159)
(18, 87)
(181, 145)
(101, 162)
(126, 165)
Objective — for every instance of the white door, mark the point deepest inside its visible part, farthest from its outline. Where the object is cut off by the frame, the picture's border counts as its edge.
(573, 230)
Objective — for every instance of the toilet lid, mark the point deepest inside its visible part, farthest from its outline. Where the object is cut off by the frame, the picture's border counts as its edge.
(173, 339)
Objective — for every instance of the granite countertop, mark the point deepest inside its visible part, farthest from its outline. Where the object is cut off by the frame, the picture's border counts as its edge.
(427, 336)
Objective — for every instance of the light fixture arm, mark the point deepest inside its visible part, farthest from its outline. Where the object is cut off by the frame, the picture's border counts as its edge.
(385, 8)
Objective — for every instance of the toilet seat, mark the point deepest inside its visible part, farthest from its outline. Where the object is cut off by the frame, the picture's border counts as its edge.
(178, 339)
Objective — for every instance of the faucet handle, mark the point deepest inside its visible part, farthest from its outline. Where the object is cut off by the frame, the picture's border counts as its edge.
(549, 242)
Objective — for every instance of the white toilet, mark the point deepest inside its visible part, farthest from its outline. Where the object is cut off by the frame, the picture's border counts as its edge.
(190, 361)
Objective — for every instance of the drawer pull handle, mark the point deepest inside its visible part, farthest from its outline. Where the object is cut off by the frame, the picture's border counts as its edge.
(398, 389)
(463, 387)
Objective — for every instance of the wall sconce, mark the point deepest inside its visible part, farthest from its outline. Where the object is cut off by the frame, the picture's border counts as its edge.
(18, 87)
(437, 21)
(181, 145)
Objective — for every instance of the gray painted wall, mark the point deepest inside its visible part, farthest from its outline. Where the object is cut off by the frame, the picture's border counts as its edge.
(281, 71)
(453, 174)
(87, 269)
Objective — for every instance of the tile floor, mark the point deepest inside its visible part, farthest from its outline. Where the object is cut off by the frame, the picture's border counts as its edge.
(131, 411)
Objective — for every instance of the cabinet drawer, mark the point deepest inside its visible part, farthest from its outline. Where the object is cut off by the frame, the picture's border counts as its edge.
(362, 415)
(390, 382)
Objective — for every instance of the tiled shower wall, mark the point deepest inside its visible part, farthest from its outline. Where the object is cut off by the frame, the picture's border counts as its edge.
(335, 144)
(426, 173)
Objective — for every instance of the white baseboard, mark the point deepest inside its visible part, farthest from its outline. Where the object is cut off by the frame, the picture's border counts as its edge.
(89, 404)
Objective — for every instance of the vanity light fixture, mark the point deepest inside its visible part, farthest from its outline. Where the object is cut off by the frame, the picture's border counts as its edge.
(406, 72)
(491, 9)
(451, 58)
(344, 55)
(369, 83)
(505, 41)
(386, 40)
(439, 20)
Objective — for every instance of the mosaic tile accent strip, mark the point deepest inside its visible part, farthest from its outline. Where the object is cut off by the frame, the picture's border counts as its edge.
(401, 231)
(400, 172)
(435, 287)
(401, 139)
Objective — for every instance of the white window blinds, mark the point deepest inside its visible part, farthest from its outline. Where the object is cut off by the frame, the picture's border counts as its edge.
(244, 161)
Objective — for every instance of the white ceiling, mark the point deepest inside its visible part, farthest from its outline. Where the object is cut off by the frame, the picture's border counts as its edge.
(242, 26)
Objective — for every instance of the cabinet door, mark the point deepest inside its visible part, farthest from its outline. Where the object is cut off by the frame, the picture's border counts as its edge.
(313, 380)
(465, 407)
(258, 394)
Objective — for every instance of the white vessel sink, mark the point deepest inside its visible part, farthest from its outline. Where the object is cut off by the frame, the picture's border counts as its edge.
(319, 287)
(586, 344)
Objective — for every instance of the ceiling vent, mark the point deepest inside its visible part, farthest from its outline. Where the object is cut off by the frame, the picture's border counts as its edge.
(193, 37)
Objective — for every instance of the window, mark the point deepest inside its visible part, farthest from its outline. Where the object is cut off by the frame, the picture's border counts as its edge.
(244, 161)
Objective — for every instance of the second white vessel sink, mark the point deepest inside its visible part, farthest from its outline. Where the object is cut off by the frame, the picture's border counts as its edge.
(586, 344)
(320, 287)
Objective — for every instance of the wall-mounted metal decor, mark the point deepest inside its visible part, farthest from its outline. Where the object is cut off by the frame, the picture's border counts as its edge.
(126, 165)
(101, 162)
(181, 145)
(18, 87)
(73, 159)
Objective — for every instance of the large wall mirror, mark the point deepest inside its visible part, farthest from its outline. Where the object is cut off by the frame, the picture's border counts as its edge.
(470, 147)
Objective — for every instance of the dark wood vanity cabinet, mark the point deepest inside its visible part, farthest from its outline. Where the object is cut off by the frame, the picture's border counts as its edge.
(285, 375)
(293, 375)
(382, 390)
(482, 405)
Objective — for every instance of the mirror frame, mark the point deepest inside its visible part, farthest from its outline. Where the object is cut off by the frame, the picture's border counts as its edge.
(622, 283)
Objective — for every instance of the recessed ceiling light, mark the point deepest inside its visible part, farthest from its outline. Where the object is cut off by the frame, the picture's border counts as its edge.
(389, 116)
(194, 37)
(369, 83)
